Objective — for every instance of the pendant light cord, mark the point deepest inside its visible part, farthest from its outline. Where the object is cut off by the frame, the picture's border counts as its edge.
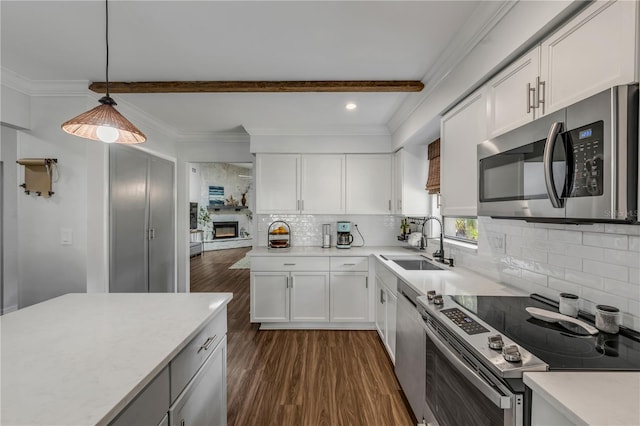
(106, 10)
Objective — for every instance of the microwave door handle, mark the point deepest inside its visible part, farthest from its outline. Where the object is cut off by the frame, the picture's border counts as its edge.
(549, 147)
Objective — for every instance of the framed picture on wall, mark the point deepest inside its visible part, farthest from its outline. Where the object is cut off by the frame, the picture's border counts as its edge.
(216, 195)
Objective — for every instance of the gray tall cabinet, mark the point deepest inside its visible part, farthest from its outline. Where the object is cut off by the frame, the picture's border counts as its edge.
(141, 204)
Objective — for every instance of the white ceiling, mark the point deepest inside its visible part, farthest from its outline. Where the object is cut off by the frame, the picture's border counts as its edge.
(239, 40)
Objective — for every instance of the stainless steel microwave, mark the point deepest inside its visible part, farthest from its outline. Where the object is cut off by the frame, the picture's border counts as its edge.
(576, 165)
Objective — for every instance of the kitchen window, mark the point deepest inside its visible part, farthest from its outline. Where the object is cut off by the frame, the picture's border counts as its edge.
(462, 229)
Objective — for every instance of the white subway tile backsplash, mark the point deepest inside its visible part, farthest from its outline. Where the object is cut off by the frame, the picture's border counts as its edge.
(534, 277)
(574, 237)
(595, 253)
(606, 240)
(634, 244)
(534, 254)
(598, 297)
(606, 270)
(623, 289)
(613, 228)
(565, 261)
(535, 233)
(564, 286)
(546, 269)
(585, 280)
(634, 276)
(634, 308)
(621, 257)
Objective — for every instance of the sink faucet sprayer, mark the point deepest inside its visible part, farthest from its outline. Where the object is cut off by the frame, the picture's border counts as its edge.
(423, 241)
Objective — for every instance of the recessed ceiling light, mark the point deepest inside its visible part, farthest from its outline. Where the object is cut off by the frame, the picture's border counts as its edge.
(351, 106)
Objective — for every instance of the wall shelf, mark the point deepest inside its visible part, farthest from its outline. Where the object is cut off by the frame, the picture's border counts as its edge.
(226, 208)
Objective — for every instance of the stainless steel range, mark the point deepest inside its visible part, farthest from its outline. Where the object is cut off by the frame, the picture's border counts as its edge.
(478, 348)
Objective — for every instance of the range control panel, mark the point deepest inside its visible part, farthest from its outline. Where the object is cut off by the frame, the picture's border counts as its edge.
(587, 151)
(462, 320)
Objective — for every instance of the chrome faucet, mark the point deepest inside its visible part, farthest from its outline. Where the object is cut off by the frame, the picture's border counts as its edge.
(439, 254)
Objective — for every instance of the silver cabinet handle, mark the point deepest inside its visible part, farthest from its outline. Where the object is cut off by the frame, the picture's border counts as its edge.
(182, 422)
(366, 282)
(153, 233)
(289, 264)
(349, 264)
(529, 104)
(381, 296)
(389, 205)
(207, 343)
(541, 85)
(297, 204)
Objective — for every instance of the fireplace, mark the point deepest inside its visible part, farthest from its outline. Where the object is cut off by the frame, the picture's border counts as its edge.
(223, 230)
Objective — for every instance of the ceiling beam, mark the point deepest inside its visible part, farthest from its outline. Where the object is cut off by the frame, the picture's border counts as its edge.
(258, 86)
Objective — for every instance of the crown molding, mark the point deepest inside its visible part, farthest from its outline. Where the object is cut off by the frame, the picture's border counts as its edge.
(475, 29)
(15, 81)
(216, 137)
(323, 131)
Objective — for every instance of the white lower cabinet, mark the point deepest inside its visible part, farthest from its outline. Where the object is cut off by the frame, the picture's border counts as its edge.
(150, 406)
(204, 400)
(289, 296)
(310, 289)
(349, 296)
(386, 307)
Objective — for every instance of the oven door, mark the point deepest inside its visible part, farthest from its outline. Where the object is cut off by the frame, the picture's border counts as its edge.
(461, 393)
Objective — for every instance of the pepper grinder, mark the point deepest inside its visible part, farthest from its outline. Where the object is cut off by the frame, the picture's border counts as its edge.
(326, 235)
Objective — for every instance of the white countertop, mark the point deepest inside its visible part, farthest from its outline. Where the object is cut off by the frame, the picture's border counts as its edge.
(451, 281)
(79, 359)
(591, 398)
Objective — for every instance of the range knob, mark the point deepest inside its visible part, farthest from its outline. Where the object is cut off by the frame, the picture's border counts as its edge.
(495, 342)
(437, 300)
(430, 295)
(511, 353)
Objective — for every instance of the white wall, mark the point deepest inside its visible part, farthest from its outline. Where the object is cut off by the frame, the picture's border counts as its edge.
(8, 155)
(15, 107)
(600, 263)
(321, 143)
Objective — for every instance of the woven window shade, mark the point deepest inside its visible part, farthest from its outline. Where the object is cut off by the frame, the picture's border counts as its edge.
(433, 181)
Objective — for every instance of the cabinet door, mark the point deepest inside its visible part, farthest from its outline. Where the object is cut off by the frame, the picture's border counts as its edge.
(277, 183)
(391, 308)
(269, 296)
(349, 297)
(161, 226)
(410, 179)
(381, 314)
(323, 184)
(593, 52)
(369, 184)
(510, 103)
(150, 406)
(204, 400)
(461, 131)
(309, 296)
(128, 213)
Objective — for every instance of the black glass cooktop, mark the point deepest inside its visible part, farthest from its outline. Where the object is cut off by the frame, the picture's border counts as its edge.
(551, 342)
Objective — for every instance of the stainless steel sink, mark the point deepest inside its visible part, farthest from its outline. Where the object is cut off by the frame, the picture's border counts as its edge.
(414, 263)
(417, 265)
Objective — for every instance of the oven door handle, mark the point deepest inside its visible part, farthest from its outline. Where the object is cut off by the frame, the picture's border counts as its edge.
(549, 180)
(501, 401)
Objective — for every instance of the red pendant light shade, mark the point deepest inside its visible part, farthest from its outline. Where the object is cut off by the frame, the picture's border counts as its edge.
(104, 123)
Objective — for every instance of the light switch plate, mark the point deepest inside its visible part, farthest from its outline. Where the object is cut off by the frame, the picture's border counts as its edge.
(66, 236)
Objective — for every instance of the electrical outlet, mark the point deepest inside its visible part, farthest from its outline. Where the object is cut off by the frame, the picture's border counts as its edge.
(496, 241)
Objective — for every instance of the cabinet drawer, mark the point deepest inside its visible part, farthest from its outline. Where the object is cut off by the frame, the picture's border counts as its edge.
(186, 364)
(387, 277)
(150, 406)
(350, 263)
(298, 263)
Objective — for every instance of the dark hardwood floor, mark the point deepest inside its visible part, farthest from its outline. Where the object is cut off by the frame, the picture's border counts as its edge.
(298, 377)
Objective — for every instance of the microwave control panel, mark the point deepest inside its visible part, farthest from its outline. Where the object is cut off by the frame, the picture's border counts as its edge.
(587, 149)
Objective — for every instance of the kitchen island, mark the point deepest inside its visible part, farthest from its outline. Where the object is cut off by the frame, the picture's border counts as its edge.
(81, 359)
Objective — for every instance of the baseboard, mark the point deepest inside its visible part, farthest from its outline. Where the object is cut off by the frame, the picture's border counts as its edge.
(9, 309)
(317, 326)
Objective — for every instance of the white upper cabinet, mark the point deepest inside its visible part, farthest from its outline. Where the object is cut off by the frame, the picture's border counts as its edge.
(308, 184)
(410, 168)
(369, 184)
(511, 95)
(461, 130)
(323, 178)
(594, 51)
(278, 183)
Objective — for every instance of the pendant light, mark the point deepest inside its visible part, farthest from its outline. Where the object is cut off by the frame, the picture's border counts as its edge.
(104, 122)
